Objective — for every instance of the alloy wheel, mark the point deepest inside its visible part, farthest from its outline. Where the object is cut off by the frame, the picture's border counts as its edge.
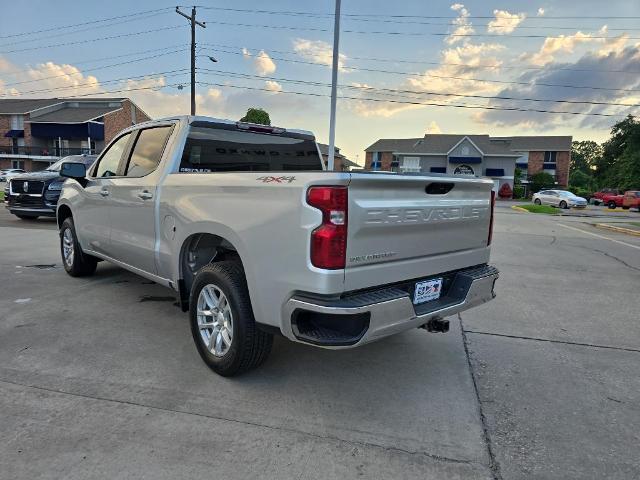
(215, 320)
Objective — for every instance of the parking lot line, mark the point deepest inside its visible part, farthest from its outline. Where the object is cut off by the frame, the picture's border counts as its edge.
(600, 236)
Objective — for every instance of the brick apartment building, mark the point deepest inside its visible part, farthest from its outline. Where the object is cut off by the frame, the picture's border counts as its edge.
(37, 132)
(480, 155)
(340, 162)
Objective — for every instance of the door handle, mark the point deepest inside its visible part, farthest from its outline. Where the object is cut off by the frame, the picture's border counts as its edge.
(145, 195)
(104, 193)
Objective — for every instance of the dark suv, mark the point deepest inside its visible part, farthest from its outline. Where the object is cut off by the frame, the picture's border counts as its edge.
(33, 195)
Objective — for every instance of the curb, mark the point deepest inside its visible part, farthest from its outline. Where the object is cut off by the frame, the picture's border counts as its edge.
(518, 209)
(628, 231)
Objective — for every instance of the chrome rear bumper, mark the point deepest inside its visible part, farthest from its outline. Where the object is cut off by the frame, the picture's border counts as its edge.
(379, 313)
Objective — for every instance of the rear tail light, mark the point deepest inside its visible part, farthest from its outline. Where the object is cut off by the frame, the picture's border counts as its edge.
(329, 240)
(493, 205)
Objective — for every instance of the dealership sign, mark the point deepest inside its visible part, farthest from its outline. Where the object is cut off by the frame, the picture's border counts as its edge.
(464, 170)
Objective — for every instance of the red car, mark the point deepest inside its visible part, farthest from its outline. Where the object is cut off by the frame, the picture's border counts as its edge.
(631, 199)
(606, 196)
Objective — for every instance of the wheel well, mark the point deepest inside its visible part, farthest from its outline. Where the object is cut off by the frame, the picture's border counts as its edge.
(197, 251)
(64, 212)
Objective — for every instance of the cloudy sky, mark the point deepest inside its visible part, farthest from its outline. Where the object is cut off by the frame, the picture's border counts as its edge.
(407, 68)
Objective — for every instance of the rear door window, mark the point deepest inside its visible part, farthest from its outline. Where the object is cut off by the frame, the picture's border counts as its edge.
(218, 150)
(147, 151)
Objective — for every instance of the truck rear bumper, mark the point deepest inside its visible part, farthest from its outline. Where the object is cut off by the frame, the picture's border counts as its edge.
(359, 318)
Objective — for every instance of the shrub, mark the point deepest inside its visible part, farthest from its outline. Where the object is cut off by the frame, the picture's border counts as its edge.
(518, 191)
(541, 180)
(505, 191)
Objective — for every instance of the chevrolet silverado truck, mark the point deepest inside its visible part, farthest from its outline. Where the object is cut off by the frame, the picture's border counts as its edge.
(257, 239)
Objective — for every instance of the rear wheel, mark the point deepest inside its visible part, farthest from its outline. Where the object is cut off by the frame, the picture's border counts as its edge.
(222, 322)
(537, 201)
(563, 204)
(76, 262)
(611, 205)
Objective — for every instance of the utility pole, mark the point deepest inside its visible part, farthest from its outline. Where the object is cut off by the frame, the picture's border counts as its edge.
(334, 85)
(193, 22)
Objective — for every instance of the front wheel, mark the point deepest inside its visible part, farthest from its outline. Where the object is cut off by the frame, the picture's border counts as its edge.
(76, 262)
(222, 322)
(537, 201)
(612, 205)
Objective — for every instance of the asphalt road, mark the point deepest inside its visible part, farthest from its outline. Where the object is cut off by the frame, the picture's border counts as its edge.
(99, 377)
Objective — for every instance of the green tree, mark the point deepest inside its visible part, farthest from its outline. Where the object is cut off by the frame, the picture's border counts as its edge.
(256, 115)
(619, 166)
(584, 155)
(578, 178)
(541, 180)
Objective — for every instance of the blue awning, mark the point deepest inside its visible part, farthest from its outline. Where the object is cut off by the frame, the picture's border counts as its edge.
(14, 134)
(68, 130)
(465, 159)
(549, 166)
(494, 172)
(438, 170)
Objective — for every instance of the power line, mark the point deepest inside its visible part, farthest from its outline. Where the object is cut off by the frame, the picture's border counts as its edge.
(73, 32)
(452, 105)
(93, 60)
(374, 32)
(415, 92)
(321, 14)
(420, 62)
(450, 77)
(94, 68)
(149, 76)
(91, 40)
(83, 23)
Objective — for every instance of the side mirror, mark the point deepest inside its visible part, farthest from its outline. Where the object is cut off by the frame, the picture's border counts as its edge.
(75, 170)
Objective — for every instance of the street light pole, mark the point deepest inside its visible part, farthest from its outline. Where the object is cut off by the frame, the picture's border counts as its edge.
(193, 22)
(334, 86)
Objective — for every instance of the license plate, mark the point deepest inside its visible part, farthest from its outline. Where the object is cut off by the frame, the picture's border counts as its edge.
(427, 291)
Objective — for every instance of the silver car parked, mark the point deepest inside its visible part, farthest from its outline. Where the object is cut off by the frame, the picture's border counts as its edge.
(559, 198)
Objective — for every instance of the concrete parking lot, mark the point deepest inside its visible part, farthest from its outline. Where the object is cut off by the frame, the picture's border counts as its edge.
(99, 377)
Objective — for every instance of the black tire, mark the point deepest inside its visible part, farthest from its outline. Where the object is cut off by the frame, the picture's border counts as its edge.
(250, 346)
(26, 217)
(81, 264)
(564, 205)
(537, 201)
(612, 205)
(625, 208)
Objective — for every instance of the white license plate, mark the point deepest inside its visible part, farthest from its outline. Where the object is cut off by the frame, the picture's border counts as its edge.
(427, 290)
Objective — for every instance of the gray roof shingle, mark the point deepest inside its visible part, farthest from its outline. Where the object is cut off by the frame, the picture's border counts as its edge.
(74, 114)
(26, 105)
(442, 143)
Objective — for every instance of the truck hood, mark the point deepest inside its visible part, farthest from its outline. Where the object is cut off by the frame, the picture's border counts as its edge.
(42, 176)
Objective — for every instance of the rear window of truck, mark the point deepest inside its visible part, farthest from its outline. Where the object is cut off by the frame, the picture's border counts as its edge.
(220, 150)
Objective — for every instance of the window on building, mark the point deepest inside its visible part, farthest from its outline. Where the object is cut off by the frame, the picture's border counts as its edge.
(17, 122)
(410, 164)
(395, 163)
(376, 162)
(550, 157)
(17, 164)
(147, 151)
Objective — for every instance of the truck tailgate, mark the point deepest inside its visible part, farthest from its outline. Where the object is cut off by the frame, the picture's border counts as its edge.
(402, 227)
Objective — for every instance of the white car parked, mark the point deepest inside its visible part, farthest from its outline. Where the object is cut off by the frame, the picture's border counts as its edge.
(7, 173)
(559, 198)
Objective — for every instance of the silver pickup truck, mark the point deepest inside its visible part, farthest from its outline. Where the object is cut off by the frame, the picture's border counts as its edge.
(256, 238)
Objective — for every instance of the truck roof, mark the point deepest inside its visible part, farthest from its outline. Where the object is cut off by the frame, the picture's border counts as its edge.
(226, 122)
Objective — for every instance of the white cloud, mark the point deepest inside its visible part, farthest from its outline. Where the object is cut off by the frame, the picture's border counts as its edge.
(505, 22)
(462, 24)
(433, 127)
(318, 52)
(262, 62)
(540, 12)
(273, 86)
(567, 44)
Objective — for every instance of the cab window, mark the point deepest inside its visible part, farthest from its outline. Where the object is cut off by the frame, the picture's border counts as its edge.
(147, 151)
(108, 166)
